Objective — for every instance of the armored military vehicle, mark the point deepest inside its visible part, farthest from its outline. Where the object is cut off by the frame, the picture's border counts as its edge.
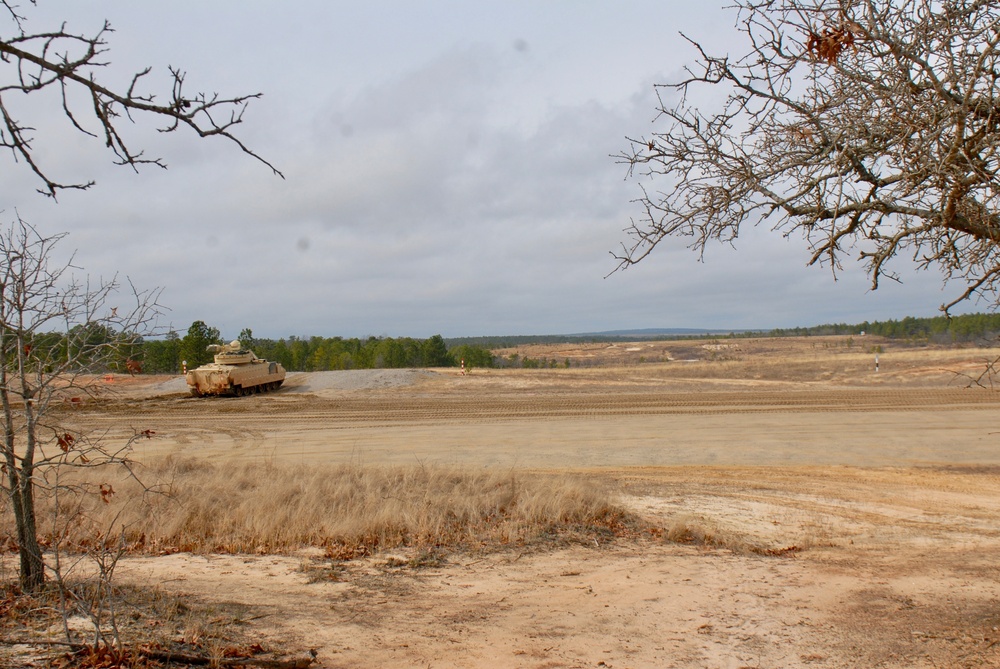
(236, 371)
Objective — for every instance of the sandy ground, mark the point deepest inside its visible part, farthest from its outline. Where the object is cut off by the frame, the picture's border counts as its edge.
(883, 485)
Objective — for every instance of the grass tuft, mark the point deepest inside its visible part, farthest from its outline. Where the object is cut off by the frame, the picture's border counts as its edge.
(695, 531)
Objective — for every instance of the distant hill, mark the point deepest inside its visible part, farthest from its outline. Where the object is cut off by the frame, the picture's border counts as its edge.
(510, 341)
(648, 333)
(979, 328)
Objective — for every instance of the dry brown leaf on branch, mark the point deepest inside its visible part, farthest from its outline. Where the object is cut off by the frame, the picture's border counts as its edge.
(830, 44)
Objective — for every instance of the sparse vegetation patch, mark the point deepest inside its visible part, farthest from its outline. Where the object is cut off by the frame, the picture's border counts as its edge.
(254, 507)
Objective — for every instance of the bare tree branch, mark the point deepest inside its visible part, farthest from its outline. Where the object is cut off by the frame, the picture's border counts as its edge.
(869, 127)
(32, 62)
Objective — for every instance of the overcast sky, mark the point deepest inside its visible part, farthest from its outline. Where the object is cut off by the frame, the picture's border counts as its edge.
(448, 171)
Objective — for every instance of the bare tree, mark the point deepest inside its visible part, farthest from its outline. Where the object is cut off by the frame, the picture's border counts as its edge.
(57, 335)
(871, 127)
(70, 63)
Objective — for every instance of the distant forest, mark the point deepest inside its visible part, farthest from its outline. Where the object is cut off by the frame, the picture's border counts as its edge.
(172, 353)
(968, 328)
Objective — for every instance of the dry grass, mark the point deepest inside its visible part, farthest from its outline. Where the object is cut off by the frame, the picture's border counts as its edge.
(686, 529)
(253, 507)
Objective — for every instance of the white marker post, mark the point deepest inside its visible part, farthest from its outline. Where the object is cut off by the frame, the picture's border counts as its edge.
(876, 362)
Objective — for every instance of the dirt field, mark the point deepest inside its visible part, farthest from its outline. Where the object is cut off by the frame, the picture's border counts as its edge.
(883, 486)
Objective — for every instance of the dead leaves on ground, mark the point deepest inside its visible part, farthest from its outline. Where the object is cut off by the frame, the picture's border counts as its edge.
(156, 656)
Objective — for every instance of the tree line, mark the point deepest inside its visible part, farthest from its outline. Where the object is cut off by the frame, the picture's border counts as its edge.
(312, 354)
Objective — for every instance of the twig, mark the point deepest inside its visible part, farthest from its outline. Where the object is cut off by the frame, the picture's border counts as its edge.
(38, 642)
